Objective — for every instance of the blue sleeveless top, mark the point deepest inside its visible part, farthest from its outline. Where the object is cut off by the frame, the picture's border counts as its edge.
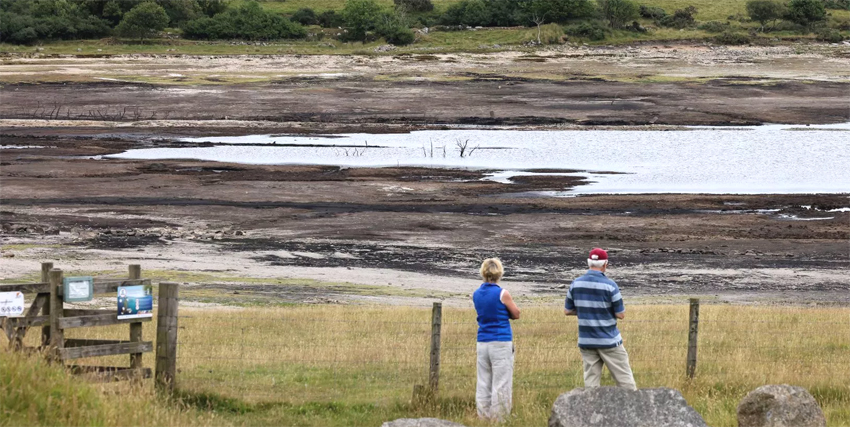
(494, 323)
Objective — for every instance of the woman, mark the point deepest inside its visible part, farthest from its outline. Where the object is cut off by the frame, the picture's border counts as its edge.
(495, 309)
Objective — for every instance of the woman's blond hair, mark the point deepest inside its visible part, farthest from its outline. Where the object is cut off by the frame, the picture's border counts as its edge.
(492, 270)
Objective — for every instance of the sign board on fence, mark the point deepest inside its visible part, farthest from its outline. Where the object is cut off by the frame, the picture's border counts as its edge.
(135, 302)
(11, 304)
(77, 289)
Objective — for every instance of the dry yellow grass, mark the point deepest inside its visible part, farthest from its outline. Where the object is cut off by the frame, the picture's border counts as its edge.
(356, 355)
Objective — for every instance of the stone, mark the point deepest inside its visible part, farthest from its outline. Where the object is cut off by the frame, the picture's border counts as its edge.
(615, 406)
(420, 422)
(780, 406)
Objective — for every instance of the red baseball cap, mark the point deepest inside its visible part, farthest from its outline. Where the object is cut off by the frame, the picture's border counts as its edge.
(598, 254)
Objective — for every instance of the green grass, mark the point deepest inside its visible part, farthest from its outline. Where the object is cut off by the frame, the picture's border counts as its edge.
(35, 393)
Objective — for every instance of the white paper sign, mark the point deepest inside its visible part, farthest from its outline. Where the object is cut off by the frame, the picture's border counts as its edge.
(11, 304)
(78, 290)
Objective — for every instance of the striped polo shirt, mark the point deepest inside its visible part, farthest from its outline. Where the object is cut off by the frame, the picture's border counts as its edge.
(596, 298)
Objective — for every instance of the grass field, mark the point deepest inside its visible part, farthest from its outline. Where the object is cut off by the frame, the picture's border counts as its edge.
(350, 365)
(482, 40)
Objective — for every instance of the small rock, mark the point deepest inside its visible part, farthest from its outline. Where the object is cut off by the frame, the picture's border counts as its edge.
(8, 255)
(780, 406)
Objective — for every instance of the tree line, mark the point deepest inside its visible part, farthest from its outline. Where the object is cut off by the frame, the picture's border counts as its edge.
(29, 21)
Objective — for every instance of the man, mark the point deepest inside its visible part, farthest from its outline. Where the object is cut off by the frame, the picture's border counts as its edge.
(597, 302)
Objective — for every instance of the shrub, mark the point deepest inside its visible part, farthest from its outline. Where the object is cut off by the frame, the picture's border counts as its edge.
(552, 10)
(396, 34)
(765, 11)
(618, 12)
(837, 4)
(24, 22)
(330, 19)
(591, 30)
(360, 17)
(415, 5)
(829, 35)
(394, 28)
(806, 12)
(731, 37)
(681, 18)
(714, 26)
(212, 7)
(472, 13)
(652, 12)
(180, 11)
(142, 21)
(305, 16)
(248, 21)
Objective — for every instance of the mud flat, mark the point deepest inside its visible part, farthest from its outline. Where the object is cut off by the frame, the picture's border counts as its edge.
(238, 233)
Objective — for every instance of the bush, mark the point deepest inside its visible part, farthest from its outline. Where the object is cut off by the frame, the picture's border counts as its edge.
(143, 21)
(559, 11)
(765, 11)
(837, 4)
(415, 5)
(618, 12)
(731, 37)
(330, 19)
(398, 35)
(471, 13)
(248, 21)
(714, 26)
(652, 12)
(681, 18)
(829, 35)
(360, 17)
(305, 16)
(587, 30)
(807, 13)
(25, 22)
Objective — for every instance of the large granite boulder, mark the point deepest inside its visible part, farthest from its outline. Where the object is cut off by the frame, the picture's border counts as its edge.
(615, 406)
(420, 422)
(780, 406)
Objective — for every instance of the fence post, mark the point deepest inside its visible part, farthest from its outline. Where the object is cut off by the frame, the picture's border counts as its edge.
(693, 329)
(135, 272)
(45, 278)
(436, 326)
(166, 337)
(57, 336)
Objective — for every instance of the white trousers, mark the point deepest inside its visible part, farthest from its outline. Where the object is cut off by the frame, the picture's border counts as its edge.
(494, 392)
(617, 361)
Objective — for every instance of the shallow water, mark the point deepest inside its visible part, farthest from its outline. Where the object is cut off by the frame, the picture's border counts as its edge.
(747, 160)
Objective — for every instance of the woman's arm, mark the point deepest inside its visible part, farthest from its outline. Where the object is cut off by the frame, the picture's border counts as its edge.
(508, 301)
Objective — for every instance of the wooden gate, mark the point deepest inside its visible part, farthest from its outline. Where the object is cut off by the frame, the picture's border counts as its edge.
(47, 311)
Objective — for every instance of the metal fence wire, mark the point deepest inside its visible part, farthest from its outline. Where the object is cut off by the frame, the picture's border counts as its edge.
(324, 353)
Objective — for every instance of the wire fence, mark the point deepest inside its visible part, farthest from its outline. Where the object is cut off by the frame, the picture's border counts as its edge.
(362, 354)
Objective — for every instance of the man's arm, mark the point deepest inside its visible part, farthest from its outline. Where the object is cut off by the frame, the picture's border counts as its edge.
(569, 306)
(617, 305)
(508, 301)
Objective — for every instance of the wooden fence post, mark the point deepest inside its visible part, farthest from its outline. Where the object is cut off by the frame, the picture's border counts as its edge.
(45, 278)
(57, 336)
(693, 329)
(166, 337)
(436, 326)
(135, 272)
